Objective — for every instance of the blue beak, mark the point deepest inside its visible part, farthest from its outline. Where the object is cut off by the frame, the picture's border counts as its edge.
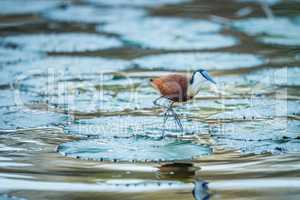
(208, 77)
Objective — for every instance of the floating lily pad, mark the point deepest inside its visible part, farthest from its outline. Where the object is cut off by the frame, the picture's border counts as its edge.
(7, 98)
(10, 56)
(174, 34)
(142, 184)
(272, 129)
(268, 2)
(195, 61)
(259, 147)
(291, 41)
(288, 76)
(274, 135)
(133, 149)
(18, 7)
(153, 3)
(81, 83)
(70, 65)
(62, 42)
(281, 31)
(261, 108)
(57, 74)
(94, 15)
(147, 126)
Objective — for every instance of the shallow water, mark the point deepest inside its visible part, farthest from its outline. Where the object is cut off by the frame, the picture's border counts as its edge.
(77, 119)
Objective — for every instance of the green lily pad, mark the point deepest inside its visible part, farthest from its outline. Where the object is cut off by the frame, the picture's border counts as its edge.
(185, 34)
(195, 61)
(278, 135)
(19, 7)
(279, 30)
(260, 108)
(133, 149)
(62, 42)
(142, 3)
(288, 76)
(126, 126)
(269, 2)
(93, 15)
(12, 56)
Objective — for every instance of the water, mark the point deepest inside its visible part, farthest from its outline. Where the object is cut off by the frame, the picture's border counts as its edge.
(77, 119)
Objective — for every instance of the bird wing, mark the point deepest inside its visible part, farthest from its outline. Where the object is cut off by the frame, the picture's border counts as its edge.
(172, 86)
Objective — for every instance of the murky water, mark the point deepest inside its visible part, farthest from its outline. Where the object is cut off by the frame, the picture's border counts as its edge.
(77, 119)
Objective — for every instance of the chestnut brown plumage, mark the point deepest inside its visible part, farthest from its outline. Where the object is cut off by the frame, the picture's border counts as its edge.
(179, 88)
(174, 87)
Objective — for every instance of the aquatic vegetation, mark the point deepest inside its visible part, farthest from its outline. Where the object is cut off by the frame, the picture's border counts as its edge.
(72, 66)
(269, 2)
(19, 7)
(154, 3)
(148, 126)
(279, 30)
(62, 42)
(260, 108)
(94, 15)
(77, 119)
(194, 61)
(12, 56)
(279, 135)
(133, 149)
(148, 32)
(287, 76)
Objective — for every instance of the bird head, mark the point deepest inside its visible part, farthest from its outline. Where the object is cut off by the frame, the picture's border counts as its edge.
(201, 75)
(199, 79)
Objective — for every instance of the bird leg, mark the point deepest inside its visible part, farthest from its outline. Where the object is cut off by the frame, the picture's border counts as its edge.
(166, 116)
(176, 118)
(155, 102)
(169, 108)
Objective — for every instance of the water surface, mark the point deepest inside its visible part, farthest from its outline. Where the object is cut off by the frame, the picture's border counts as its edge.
(76, 114)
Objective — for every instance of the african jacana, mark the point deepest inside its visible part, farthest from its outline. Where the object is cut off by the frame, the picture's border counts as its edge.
(179, 88)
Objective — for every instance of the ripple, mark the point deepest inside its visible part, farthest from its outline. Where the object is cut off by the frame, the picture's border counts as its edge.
(94, 15)
(280, 30)
(101, 186)
(14, 118)
(194, 61)
(19, 7)
(175, 33)
(9, 197)
(133, 149)
(153, 3)
(62, 42)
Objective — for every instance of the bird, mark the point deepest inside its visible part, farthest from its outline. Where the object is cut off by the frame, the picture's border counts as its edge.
(179, 88)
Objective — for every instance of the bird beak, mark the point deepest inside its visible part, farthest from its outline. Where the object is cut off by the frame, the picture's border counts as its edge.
(208, 77)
